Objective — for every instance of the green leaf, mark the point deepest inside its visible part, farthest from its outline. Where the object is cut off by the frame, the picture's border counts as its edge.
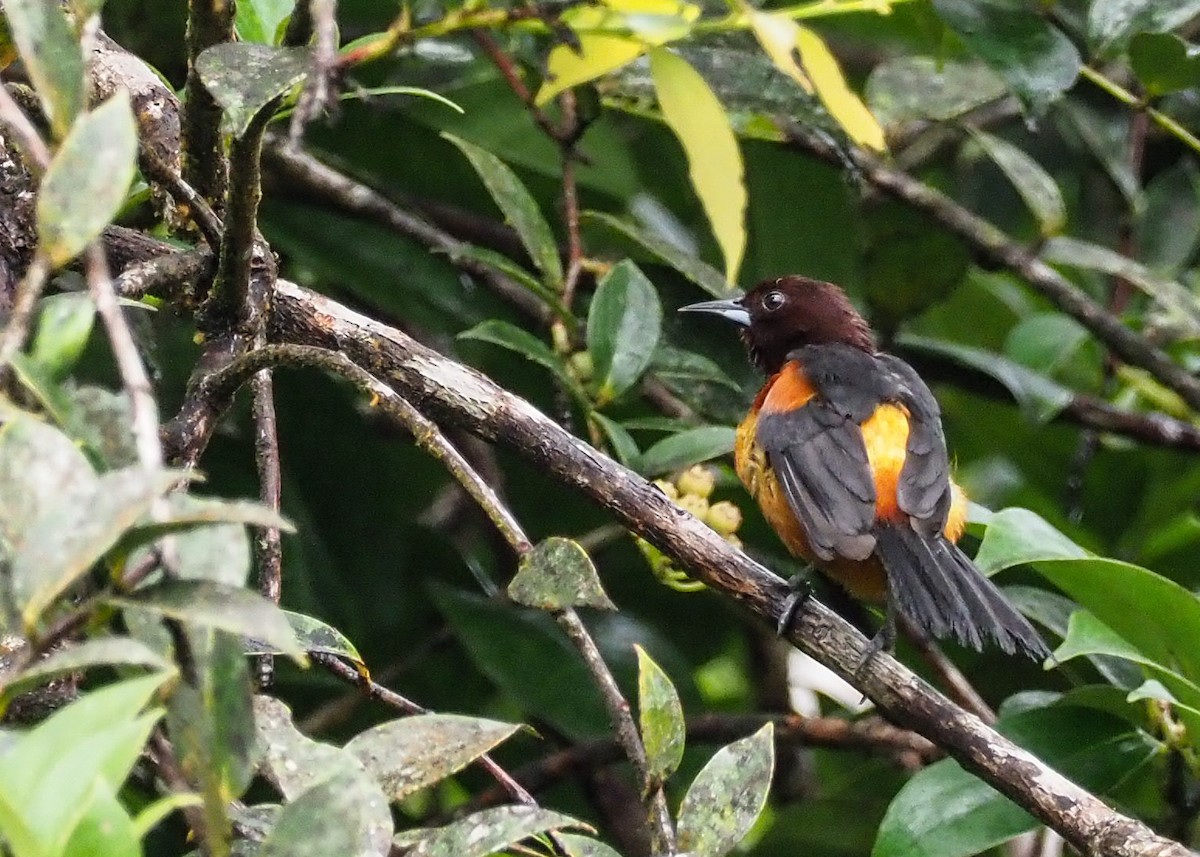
(48, 775)
(88, 179)
(1121, 595)
(520, 210)
(486, 832)
(63, 544)
(909, 88)
(411, 753)
(727, 796)
(584, 846)
(1172, 196)
(105, 827)
(660, 716)
(217, 606)
(556, 574)
(1035, 58)
(714, 158)
(523, 342)
(676, 364)
(687, 448)
(1040, 398)
(1111, 23)
(259, 20)
(343, 814)
(290, 761)
(52, 57)
(511, 269)
(1033, 183)
(623, 329)
(619, 439)
(511, 645)
(1164, 63)
(99, 651)
(245, 78)
(699, 272)
(211, 724)
(64, 325)
(313, 635)
(1182, 303)
(945, 812)
(1057, 346)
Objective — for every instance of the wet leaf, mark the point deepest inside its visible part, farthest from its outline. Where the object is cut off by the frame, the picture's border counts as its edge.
(727, 796)
(290, 761)
(914, 87)
(1035, 58)
(558, 573)
(218, 606)
(714, 158)
(1110, 23)
(344, 814)
(687, 448)
(411, 753)
(88, 180)
(585, 846)
(245, 78)
(487, 832)
(313, 635)
(520, 210)
(660, 716)
(1033, 183)
(623, 329)
(52, 58)
(699, 272)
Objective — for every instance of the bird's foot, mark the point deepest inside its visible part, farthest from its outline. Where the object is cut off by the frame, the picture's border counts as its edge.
(800, 590)
(883, 641)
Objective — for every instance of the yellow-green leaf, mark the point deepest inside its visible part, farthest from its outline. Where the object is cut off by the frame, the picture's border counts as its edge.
(714, 159)
(610, 35)
(802, 55)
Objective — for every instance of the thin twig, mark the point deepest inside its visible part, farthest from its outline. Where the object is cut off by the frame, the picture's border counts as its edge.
(268, 548)
(316, 96)
(176, 782)
(19, 320)
(374, 690)
(873, 736)
(33, 147)
(142, 406)
(997, 248)
(950, 677)
(198, 209)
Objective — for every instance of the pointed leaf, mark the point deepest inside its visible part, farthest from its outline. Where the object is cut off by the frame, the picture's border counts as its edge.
(489, 831)
(727, 796)
(623, 329)
(52, 58)
(687, 448)
(100, 651)
(88, 180)
(105, 827)
(64, 325)
(1033, 56)
(521, 212)
(523, 342)
(839, 99)
(244, 78)
(699, 272)
(714, 158)
(598, 54)
(660, 716)
(622, 444)
(290, 761)
(62, 545)
(313, 635)
(408, 754)
(218, 606)
(1033, 183)
(344, 814)
(558, 573)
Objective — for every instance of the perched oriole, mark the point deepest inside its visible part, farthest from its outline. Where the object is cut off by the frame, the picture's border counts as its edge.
(843, 449)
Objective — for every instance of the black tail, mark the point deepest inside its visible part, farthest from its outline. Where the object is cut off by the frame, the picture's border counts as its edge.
(939, 589)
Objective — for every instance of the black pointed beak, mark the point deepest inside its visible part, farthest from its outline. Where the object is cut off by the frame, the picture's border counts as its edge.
(730, 310)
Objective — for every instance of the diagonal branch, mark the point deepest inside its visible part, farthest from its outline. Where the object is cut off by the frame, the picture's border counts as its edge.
(460, 396)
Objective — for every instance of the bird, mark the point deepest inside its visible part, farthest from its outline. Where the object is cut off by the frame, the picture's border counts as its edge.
(843, 449)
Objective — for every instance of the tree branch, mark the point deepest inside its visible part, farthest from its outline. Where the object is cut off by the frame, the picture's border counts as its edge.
(463, 397)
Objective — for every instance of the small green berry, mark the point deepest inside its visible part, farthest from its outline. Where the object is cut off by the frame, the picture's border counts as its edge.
(724, 517)
(695, 504)
(698, 480)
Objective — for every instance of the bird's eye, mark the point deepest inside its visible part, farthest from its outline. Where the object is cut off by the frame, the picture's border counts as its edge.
(773, 300)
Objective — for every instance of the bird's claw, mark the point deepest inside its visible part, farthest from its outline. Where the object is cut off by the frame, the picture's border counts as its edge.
(800, 591)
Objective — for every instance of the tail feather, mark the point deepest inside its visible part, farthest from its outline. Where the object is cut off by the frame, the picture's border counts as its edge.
(938, 588)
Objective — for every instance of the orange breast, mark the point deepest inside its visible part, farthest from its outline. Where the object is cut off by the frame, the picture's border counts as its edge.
(885, 434)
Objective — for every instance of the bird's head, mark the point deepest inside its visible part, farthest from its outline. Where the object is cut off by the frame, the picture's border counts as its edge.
(780, 315)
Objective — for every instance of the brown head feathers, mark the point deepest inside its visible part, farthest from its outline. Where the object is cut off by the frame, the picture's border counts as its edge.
(783, 314)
